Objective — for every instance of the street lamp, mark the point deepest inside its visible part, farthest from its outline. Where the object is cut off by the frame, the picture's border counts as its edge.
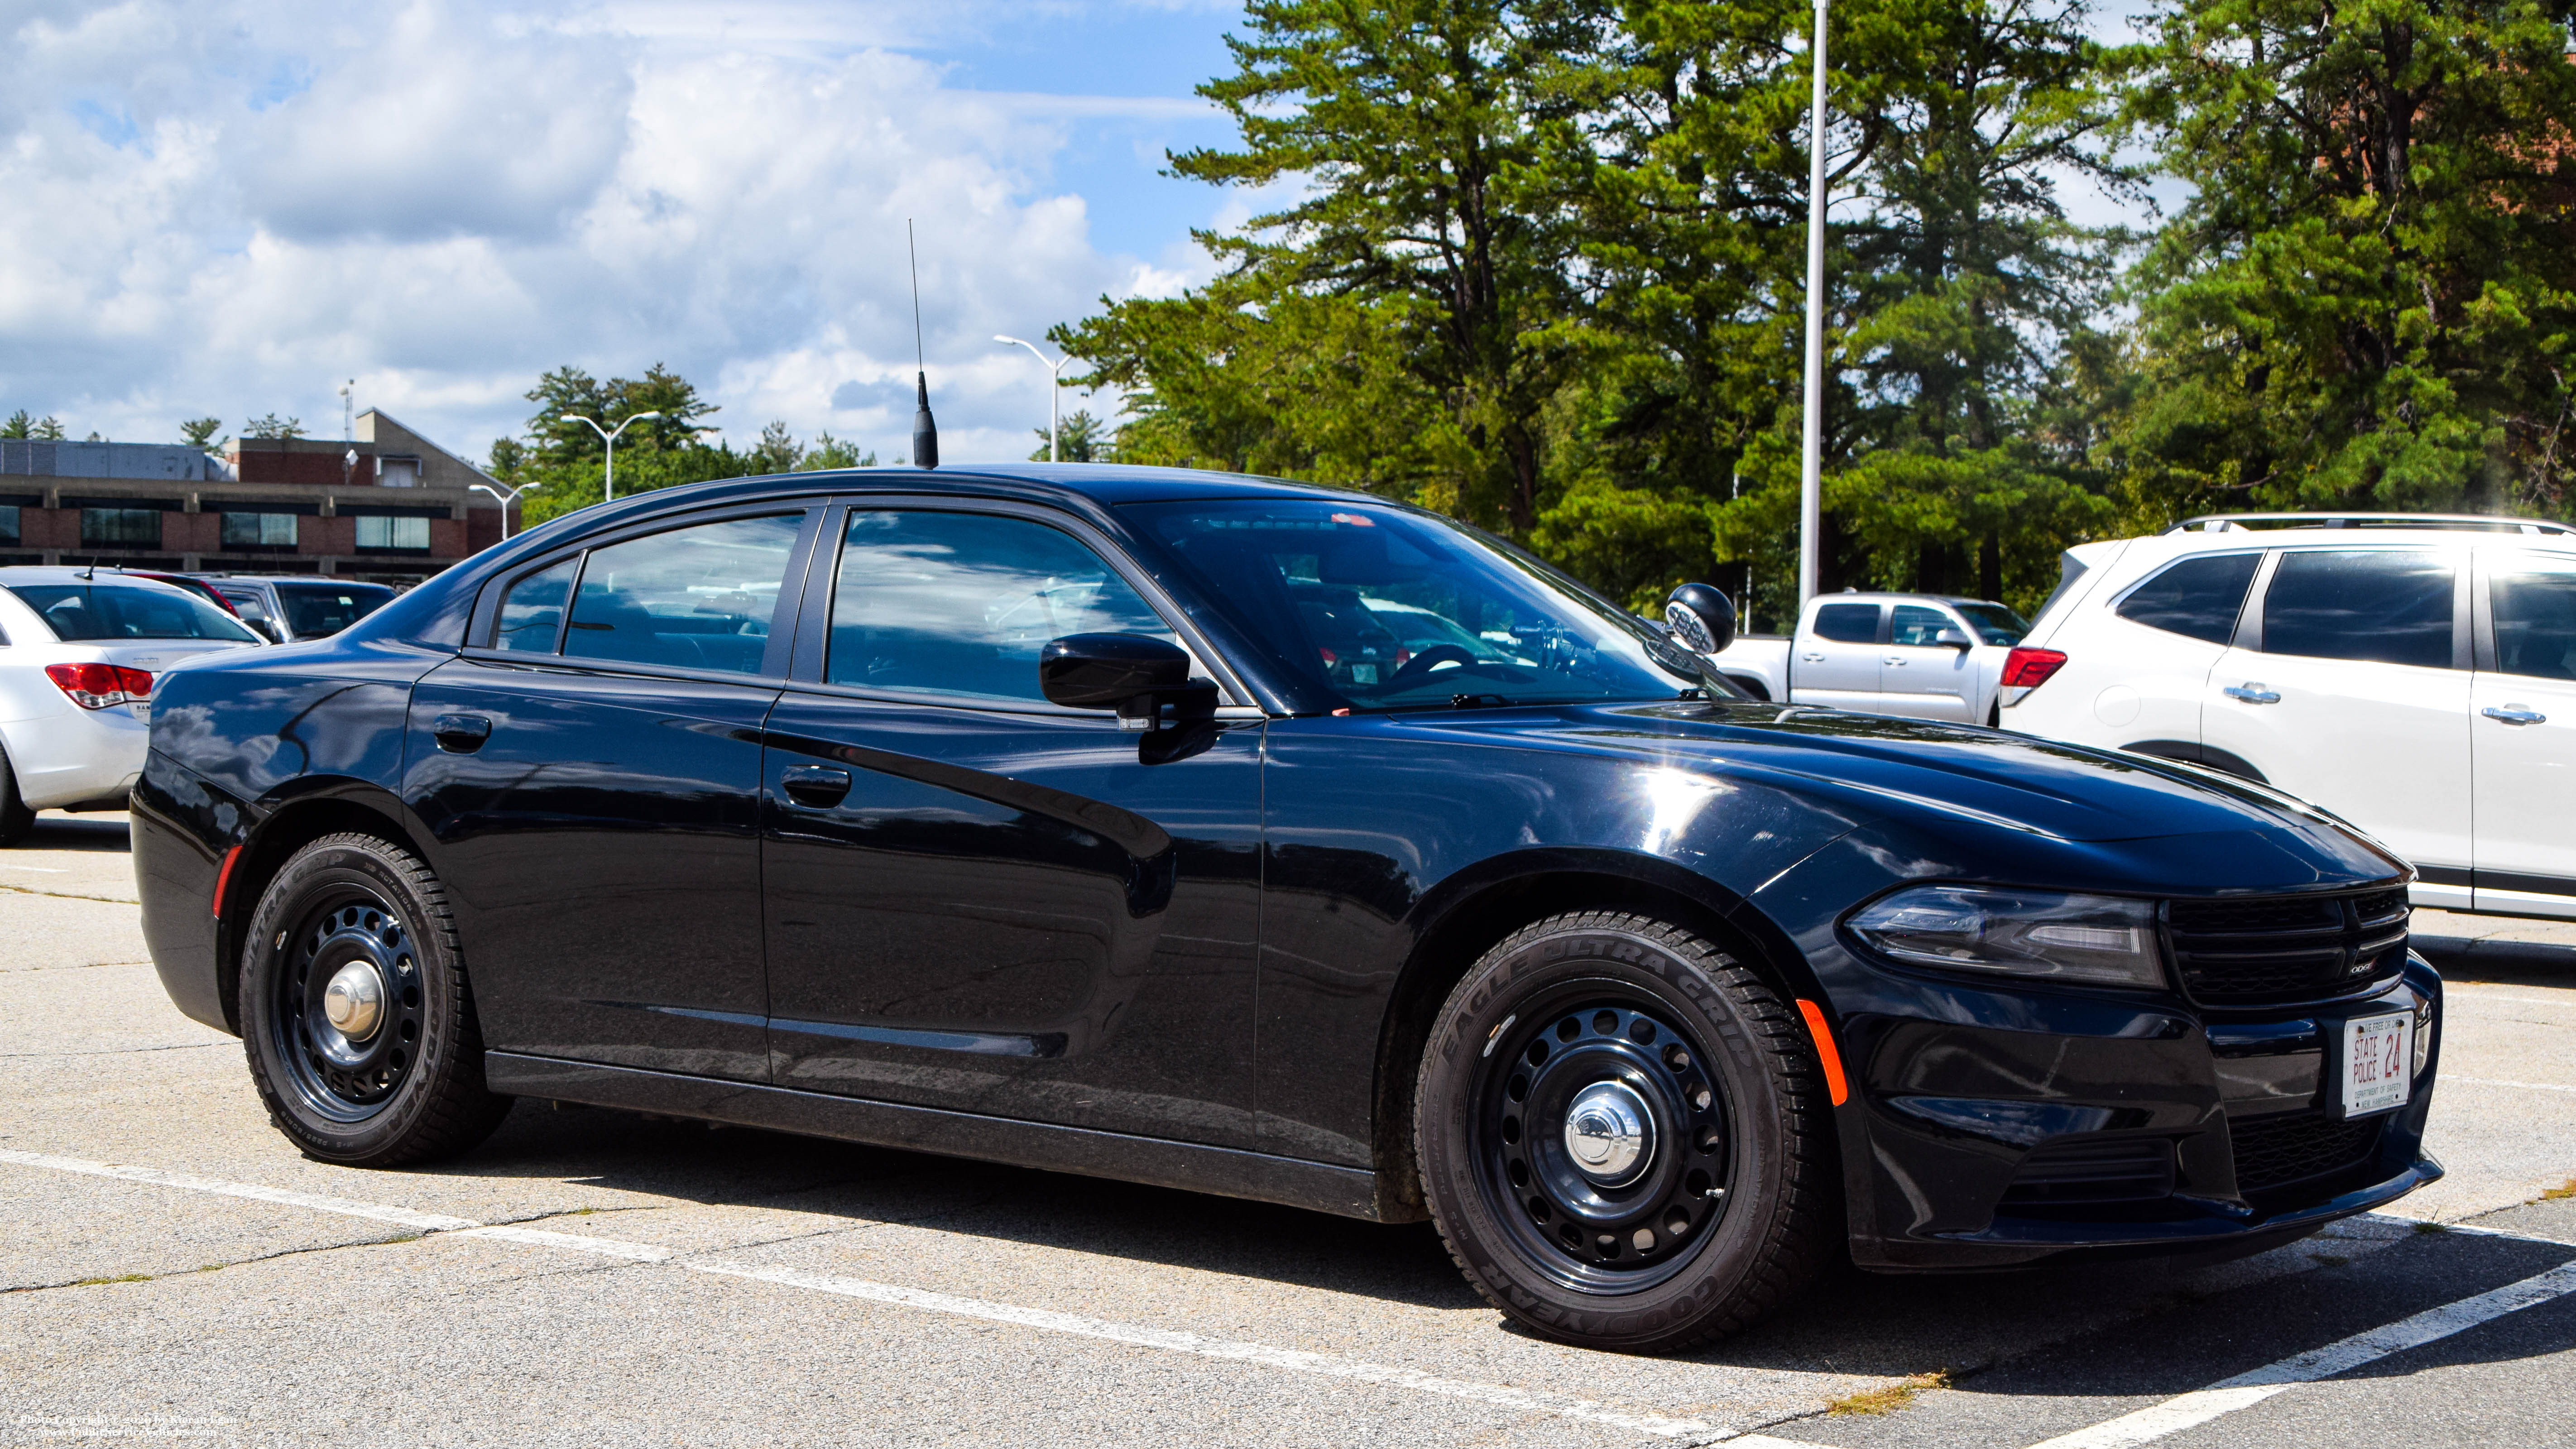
(1811, 462)
(608, 488)
(506, 500)
(1055, 393)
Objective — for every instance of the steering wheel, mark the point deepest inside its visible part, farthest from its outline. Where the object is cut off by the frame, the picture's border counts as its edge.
(1422, 663)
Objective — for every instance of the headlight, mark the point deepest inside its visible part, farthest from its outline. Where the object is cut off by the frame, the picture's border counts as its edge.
(2092, 940)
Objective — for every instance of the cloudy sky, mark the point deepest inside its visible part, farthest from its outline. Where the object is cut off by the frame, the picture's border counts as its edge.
(210, 207)
(228, 207)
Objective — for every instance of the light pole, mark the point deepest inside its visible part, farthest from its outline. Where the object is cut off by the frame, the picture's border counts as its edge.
(1055, 393)
(608, 486)
(506, 500)
(1811, 463)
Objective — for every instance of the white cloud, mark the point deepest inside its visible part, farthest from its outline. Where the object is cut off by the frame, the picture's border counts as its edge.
(229, 208)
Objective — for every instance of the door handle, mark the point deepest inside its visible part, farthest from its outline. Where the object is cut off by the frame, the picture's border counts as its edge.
(2253, 693)
(460, 734)
(1896, 659)
(1812, 658)
(2515, 714)
(820, 786)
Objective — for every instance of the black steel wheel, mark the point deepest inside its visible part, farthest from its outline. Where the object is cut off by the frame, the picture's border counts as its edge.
(354, 1009)
(1622, 1137)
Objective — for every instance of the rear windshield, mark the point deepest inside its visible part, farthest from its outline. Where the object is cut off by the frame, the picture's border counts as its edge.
(313, 610)
(99, 610)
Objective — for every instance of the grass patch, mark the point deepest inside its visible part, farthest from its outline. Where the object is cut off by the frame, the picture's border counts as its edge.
(1889, 1399)
(119, 1278)
(2431, 1227)
(2559, 1193)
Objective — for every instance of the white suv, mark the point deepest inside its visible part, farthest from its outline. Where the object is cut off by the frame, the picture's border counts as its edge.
(2414, 674)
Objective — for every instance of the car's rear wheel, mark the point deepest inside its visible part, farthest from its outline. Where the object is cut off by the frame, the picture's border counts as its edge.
(15, 818)
(355, 1012)
(1622, 1135)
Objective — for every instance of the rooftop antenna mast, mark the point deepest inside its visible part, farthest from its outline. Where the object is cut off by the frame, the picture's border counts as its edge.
(925, 431)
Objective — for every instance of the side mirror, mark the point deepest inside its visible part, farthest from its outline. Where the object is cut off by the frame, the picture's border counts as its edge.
(1130, 673)
(1700, 617)
(1955, 638)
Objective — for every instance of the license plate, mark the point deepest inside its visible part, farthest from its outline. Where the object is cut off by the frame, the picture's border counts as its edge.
(2378, 1058)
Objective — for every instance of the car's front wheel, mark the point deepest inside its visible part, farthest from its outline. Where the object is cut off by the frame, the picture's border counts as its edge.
(1622, 1135)
(355, 1013)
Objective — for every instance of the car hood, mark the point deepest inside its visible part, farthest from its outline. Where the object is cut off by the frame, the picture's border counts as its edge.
(1892, 767)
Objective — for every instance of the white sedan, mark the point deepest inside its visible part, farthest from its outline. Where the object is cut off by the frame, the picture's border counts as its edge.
(78, 651)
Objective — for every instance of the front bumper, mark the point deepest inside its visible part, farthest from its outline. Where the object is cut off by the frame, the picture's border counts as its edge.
(2001, 1128)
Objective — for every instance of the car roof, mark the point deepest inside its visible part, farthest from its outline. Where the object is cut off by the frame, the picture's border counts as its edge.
(2247, 540)
(289, 579)
(1097, 483)
(80, 574)
(1856, 597)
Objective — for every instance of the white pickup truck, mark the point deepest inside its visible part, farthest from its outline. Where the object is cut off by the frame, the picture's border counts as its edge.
(1920, 655)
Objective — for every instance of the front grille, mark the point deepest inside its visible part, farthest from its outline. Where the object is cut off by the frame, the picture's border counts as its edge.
(2273, 949)
(2276, 1151)
(2093, 1170)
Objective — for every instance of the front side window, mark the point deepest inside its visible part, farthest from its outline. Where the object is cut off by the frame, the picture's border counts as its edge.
(2198, 598)
(98, 610)
(1993, 623)
(120, 528)
(259, 530)
(410, 534)
(1848, 623)
(314, 610)
(532, 612)
(1387, 608)
(693, 598)
(1914, 624)
(962, 603)
(2534, 601)
(2388, 606)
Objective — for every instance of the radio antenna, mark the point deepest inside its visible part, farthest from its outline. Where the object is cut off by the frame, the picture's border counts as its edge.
(925, 430)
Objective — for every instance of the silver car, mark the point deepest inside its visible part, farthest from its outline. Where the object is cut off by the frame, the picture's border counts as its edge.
(79, 648)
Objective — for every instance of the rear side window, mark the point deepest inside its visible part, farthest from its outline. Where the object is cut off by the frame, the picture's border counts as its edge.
(692, 598)
(2389, 607)
(532, 612)
(2535, 617)
(2198, 598)
(1848, 623)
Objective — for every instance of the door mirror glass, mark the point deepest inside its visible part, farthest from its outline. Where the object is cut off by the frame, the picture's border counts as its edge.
(1702, 618)
(693, 598)
(2535, 618)
(2390, 606)
(1104, 671)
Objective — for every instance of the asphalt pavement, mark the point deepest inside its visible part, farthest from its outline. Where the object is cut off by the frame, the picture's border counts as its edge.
(171, 1269)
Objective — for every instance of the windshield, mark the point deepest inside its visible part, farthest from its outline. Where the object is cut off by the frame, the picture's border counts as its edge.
(313, 610)
(103, 610)
(1387, 608)
(1994, 623)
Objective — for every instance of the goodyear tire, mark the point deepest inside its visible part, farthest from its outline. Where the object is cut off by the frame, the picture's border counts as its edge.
(1622, 1135)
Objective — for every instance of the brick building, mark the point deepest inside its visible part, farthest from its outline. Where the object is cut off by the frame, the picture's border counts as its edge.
(390, 506)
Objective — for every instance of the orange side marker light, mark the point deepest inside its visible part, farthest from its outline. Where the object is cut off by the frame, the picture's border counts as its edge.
(1835, 1087)
(224, 878)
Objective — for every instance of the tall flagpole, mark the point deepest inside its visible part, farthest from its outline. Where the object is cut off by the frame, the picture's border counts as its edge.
(1811, 489)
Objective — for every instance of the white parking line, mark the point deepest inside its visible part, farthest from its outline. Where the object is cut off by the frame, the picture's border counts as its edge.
(2248, 1389)
(1295, 1360)
(2495, 1082)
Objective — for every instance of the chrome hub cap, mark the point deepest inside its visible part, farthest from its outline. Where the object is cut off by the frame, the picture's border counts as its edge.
(1609, 1133)
(354, 1002)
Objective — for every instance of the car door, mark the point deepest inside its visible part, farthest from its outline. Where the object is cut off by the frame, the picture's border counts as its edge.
(1920, 677)
(980, 901)
(2522, 728)
(2348, 685)
(1837, 657)
(591, 774)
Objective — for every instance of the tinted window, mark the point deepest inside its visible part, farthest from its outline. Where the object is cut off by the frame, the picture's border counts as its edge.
(692, 598)
(259, 530)
(2391, 607)
(9, 524)
(121, 527)
(1386, 608)
(2198, 597)
(2535, 617)
(1993, 623)
(247, 603)
(1848, 623)
(961, 603)
(532, 612)
(100, 610)
(1917, 625)
(314, 610)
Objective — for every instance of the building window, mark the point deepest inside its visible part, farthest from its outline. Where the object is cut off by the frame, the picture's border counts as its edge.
(409, 534)
(120, 528)
(259, 530)
(9, 524)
